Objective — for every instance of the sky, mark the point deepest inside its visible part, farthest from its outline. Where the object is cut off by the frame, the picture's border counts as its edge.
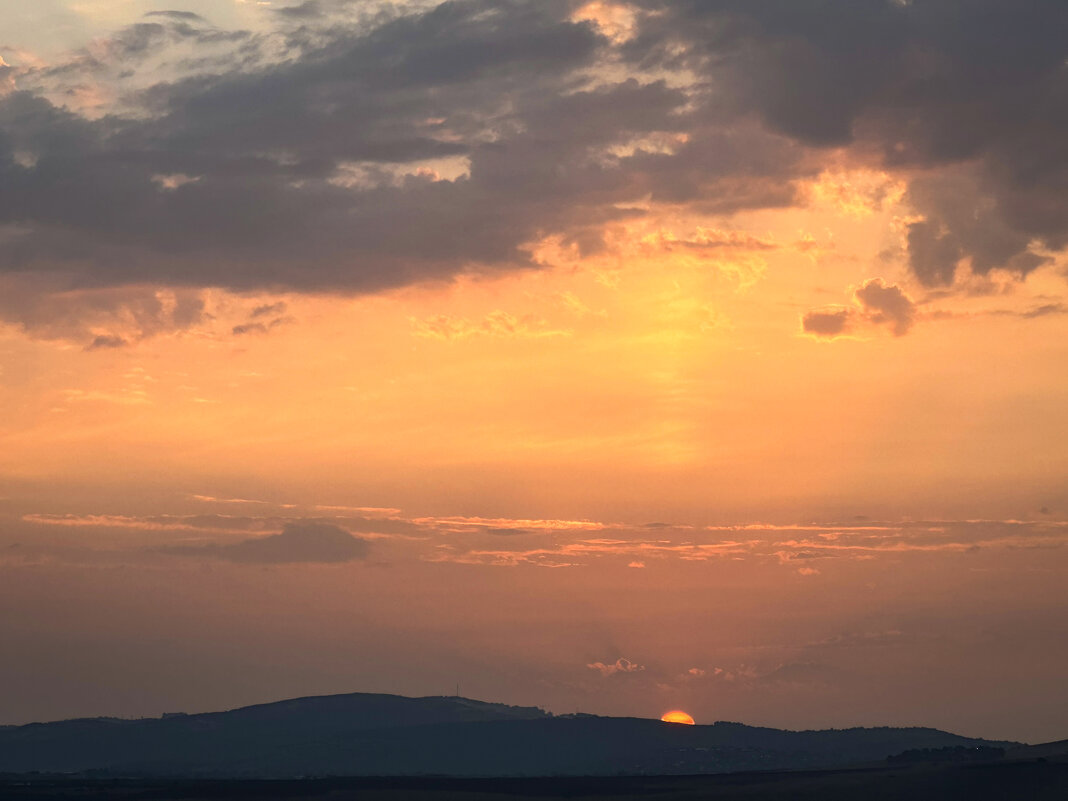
(602, 356)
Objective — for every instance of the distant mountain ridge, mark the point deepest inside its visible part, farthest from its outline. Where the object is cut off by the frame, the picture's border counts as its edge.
(361, 734)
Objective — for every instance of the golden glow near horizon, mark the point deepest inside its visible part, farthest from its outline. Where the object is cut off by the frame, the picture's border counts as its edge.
(677, 716)
(645, 364)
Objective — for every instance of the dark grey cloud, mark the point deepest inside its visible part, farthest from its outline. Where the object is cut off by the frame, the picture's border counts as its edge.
(386, 149)
(264, 146)
(933, 252)
(306, 174)
(298, 542)
(980, 86)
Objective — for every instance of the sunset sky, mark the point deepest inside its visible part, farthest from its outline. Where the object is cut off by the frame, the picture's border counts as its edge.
(605, 356)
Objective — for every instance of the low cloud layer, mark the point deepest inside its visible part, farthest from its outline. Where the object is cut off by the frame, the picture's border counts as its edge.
(508, 543)
(298, 542)
(351, 153)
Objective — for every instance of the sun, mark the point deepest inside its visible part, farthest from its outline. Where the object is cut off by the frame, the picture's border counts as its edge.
(677, 716)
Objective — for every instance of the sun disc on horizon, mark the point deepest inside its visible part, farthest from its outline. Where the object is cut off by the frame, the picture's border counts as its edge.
(677, 716)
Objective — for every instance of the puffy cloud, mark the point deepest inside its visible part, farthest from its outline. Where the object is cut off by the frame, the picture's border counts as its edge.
(886, 304)
(621, 665)
(876, 303)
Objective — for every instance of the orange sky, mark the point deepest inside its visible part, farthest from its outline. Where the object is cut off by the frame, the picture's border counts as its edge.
(621, 479)
(646, 382)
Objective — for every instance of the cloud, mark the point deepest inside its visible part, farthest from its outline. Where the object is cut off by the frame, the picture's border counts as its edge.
(266, 143)
(1035, 312)
(827, 322)
(322, 156)
(298, 542)
(258, 322)
(621, 665)
(933, 252)
(886, 304)
(264, 147)
(268, 310)
(1045, 310)
(106, 341)
(558, 543)
(46, 307)
(876, 303)
(970, 96)
(249, 328)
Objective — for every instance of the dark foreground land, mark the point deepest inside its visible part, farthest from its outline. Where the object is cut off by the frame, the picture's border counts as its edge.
(1031, 780)
(362, 734)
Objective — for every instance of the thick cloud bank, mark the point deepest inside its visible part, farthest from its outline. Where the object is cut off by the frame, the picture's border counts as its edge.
(971, 97)
(354, 152)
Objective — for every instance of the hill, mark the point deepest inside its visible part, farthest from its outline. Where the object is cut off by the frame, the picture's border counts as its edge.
(364, 735)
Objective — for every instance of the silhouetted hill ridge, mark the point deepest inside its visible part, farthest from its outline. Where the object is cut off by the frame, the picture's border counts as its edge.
(369, 734)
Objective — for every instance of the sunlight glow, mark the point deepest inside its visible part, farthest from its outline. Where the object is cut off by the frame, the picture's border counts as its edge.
(677, 716)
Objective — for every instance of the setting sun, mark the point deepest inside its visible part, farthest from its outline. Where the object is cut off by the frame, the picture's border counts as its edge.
(677, 716)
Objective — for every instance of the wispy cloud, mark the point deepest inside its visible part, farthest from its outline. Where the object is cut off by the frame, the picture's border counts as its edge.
(496, 325)
(512, 542)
